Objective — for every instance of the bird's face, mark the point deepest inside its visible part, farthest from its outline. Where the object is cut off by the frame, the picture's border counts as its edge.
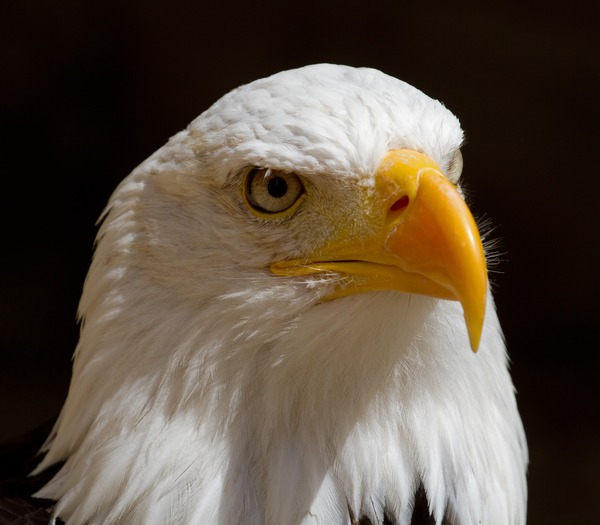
(331, 193)
(410, 232)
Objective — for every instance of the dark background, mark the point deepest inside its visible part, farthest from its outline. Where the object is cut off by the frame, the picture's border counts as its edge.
(89, 91)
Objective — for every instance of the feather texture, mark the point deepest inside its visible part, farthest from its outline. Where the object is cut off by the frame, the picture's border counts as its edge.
(207, 390)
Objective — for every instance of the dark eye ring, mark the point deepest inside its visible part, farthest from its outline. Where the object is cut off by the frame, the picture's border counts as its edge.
(272, 191)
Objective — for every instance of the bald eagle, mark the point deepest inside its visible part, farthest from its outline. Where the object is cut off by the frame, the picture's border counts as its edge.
(278, 323)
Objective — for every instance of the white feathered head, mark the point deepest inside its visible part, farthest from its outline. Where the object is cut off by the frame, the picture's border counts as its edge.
(278, 321)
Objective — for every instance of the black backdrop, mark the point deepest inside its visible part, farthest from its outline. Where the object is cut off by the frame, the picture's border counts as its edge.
(88, 91)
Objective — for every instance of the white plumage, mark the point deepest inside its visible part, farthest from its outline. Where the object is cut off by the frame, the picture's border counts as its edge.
(208, 388)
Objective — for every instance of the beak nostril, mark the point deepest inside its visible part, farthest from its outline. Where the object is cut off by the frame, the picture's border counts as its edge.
(400, 204)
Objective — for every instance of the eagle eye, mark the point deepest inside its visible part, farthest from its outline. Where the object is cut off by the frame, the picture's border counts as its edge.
(455, 167)
(272, 191)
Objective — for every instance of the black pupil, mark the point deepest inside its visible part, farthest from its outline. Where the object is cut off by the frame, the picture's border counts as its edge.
(277, 187)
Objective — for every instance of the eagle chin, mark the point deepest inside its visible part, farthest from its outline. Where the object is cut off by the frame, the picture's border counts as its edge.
(278, 323)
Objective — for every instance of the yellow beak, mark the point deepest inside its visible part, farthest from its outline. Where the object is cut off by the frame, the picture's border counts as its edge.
(424, 241)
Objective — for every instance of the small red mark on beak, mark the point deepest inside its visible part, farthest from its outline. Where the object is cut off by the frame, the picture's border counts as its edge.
(400, 204)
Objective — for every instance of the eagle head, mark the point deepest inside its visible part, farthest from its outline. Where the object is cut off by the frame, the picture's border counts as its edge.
(277, 324)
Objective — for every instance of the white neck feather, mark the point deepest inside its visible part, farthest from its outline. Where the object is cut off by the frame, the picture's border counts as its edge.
(231, 422)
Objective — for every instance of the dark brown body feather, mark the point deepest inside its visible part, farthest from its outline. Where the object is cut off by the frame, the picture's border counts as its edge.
(17, 459)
